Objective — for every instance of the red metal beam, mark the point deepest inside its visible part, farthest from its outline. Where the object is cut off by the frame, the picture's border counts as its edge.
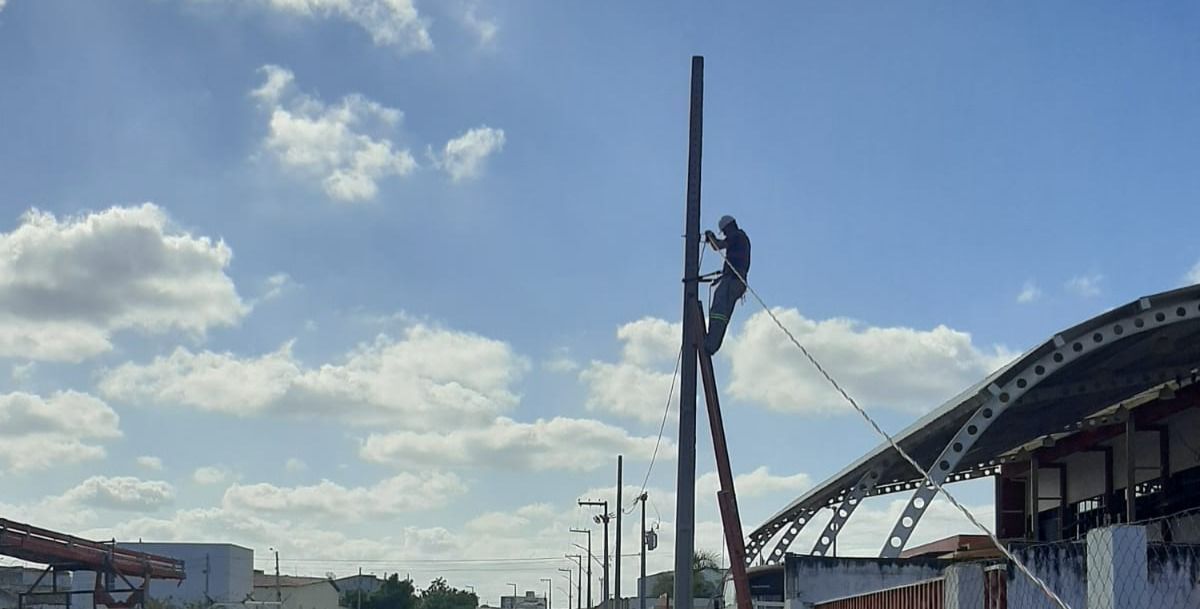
(43, 546)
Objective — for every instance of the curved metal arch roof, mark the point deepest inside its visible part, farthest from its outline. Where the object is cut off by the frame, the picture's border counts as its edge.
(1135, 359)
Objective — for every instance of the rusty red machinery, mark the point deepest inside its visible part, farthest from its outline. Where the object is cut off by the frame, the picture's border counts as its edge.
(62, 552)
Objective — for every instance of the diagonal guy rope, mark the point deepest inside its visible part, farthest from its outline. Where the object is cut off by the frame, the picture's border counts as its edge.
(892, 442)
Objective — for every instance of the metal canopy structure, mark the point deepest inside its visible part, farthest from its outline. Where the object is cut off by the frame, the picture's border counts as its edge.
(1049, 389)
(62, 552)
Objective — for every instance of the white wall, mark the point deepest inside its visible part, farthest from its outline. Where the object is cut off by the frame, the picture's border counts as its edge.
(229, 577)
(318, 595)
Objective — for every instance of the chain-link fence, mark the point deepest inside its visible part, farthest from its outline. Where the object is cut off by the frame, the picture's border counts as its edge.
(1150, 564)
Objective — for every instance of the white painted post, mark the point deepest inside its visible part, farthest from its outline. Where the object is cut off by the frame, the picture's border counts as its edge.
(1116, 567)
(962, 586)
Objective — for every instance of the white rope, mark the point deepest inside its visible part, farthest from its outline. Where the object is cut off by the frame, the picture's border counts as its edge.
(892, 442)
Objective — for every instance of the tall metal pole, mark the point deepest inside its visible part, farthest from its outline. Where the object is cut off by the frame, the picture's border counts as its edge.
(569, 582)
(549, 584)
(278, 588)
(589, 564)
(358, 604)
(604, 517)
(642, 579)
(620, 510)
(685, 489)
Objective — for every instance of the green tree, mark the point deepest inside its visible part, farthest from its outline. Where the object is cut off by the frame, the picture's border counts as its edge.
(393, 593)
(440, 595)
(702, 587)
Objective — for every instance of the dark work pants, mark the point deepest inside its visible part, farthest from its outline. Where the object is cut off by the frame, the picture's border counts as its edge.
(729, 290)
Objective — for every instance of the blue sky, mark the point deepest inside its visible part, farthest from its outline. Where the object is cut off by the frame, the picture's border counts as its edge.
(394, 246)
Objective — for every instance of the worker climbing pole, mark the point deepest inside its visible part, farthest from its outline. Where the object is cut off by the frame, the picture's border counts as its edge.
(695, 352)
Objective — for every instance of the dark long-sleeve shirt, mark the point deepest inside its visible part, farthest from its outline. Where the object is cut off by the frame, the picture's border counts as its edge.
(737, 253)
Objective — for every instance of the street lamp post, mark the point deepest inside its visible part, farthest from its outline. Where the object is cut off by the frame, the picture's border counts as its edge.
(569, 581)
(578, 581)
(549, 592)
(589, 563)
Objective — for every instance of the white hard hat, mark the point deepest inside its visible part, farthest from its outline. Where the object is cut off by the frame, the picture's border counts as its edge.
(725, 221)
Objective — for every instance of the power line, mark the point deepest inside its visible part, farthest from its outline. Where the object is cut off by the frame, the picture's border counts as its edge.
(891, 441)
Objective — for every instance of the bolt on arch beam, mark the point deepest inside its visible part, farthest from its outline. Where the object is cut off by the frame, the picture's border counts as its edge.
(999, 398)
(841, 513)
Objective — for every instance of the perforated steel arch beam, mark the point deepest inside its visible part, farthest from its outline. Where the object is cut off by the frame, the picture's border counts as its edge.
(842, 512)
(999, 398)
(790, 531)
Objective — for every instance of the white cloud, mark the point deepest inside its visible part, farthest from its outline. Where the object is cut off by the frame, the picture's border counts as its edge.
(150, 463)
(276, 285)
(1029, 293)
(637, 386)
(69, 284)
(2, 3)
(897, 368)
(399, 494)
(210, 474)
(344, 145)
(295, 465)
(121, 493)
(485, 29)
(1193, 276)
(22, 373)
(554, 444)
(38, 433)
(390, 23)
(429, 378)
(756, 483)
(1086, 286)
(464, 156)
(561, 362)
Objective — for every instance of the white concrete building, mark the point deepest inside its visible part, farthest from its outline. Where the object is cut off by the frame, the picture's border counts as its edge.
(218, 573)
(295, 592)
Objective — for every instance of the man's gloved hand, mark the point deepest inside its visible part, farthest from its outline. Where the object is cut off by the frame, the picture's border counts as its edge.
(710, 236)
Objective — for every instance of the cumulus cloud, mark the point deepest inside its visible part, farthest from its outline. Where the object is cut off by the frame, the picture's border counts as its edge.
(121, 493)
(68, 284)
(1030, 292)
(886, 367)
(37, 432)
(484, 29)
(636, 386)
(210, 474)
(561, 362)
(399, 494)
(344, 145)
(150, 463)
(1193, 276)
(554, 444)
(390, 23)
(1085, 286)
(430, 377)
(464, 156)
(757, 483)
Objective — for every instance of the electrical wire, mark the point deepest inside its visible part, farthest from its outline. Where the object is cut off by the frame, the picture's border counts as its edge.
(892, 442)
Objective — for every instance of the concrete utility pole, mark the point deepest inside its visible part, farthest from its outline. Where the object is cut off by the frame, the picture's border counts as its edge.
(549, 585)
(578, 581)
(603, 518)
(589, 563)
(642, 579)
(278, 588)
(620, 511)
(685, 488)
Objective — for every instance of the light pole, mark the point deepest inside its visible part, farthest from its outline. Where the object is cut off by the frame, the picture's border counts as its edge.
(569, 580)
(603, 518)
(514, 598)
(579, 581)
(549, 585)
(278, 588)
(589, 563)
